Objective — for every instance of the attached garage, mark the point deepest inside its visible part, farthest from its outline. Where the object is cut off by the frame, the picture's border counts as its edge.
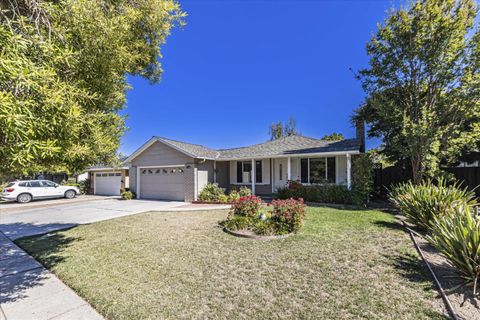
(162, 183)
(107, 183)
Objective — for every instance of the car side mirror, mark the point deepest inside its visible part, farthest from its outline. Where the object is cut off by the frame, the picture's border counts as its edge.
(56, 185)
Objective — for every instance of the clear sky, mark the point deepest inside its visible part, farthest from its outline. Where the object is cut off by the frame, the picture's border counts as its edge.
(238, 66)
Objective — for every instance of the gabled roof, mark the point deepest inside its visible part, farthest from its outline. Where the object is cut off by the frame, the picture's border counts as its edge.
(291, 145)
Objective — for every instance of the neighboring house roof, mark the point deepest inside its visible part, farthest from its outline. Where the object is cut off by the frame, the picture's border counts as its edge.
(291, 145)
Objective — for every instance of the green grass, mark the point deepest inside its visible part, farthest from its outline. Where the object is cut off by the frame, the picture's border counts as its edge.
(343, 265)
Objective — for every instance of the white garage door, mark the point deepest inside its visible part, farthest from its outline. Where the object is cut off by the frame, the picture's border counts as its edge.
(107, 183)
(162, 183)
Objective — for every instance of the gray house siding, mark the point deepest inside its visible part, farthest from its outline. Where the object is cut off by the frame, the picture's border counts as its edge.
(260, 189)
(158, 154)
(223, 174)
(205, 165)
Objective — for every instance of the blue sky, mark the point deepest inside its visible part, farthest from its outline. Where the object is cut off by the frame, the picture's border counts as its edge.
(238, 66)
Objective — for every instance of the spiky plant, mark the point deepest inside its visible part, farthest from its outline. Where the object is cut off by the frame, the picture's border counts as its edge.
(421, 203)
(457, 237)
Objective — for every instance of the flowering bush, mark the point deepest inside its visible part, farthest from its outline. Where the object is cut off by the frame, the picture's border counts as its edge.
(288, 215)
(248, 206)
(211, 193)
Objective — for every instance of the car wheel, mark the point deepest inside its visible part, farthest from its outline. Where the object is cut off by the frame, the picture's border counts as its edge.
(70, 194)
(24, 198)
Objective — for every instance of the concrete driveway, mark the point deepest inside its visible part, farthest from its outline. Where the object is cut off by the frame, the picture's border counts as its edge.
(34, 221)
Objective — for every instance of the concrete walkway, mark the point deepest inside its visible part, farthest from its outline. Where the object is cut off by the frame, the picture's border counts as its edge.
(27, 289)
(43, 220)
(13, 206)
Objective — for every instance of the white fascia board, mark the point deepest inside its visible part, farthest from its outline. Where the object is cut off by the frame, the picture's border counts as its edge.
(107, 169)
(296, 155)
(150, 142)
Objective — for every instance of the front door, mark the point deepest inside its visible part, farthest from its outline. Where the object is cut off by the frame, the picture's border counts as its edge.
(279, 173)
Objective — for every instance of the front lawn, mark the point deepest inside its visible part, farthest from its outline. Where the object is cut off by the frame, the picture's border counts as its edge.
(157, 265)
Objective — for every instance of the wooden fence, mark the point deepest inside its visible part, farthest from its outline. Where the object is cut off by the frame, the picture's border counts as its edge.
(385, 178)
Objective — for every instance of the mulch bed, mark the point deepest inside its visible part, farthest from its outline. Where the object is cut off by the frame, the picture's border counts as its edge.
(252, 235)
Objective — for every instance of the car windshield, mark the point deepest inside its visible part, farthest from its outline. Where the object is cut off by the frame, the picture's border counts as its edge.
(10, 184)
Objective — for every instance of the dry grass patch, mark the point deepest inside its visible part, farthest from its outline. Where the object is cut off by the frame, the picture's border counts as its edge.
(343, 265)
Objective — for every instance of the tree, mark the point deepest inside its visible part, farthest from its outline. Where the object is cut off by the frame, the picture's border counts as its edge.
(279, 130)
(63, 77)
(333, 136)
(423, 84)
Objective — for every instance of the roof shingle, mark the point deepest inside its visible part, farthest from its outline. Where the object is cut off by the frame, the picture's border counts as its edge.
(291, 145)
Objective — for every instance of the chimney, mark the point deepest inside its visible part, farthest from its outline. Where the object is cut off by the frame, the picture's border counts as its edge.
(360, 134)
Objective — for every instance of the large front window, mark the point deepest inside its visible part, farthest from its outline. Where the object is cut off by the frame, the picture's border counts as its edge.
(318, 170)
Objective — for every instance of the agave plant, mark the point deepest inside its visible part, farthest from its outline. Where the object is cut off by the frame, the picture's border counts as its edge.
(420, 204)
(457, 237)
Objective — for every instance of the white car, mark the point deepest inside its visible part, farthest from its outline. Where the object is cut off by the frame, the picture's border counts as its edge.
(24, 191)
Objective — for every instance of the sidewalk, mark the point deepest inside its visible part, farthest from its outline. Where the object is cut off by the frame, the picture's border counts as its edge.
(12, 206)
(29, 291)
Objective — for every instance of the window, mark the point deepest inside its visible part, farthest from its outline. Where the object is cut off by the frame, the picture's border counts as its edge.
(304, 170)
(280, 171)
(239, 171)
(318, 170)
(111, 174)
(331, 172)
(118, 174)
(48, 183)
(21, 184)
(244, 171)
(98, 175)
(35, 184)
(258, 171)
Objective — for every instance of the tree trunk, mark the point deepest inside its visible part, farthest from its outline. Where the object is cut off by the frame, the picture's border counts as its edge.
(416, 168)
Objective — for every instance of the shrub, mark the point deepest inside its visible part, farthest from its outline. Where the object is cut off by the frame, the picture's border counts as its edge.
(238, 223)
(233, 196)
(246, 206)
(362, 179)
(85, 186)
(457, 237)
(244, 192)
(326, 193)
(128, 195)
(420, 204)
(288, 215)
(265, 228)
(211, 193)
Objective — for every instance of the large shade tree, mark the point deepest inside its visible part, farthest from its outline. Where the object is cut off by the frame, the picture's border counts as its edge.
(423, 84)
(63, 68)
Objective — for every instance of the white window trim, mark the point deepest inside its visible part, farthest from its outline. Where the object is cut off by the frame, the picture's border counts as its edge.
(326, 171)
(248, 183)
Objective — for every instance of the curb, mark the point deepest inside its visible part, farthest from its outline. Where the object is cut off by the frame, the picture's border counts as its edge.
(254, 236)
(445, 299)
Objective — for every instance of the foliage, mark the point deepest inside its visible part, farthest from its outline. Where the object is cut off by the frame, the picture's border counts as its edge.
(334, 136)
(212, 193)
(325, 193)
(287, 215)
(63, 77)
(279, 130)
(85, 186)
(234, 195)
(238, 223)
(423, 84)
(244, 191)
(457, 237)
(362, 179)
(423, 202)
(247, 206)
(128, 195)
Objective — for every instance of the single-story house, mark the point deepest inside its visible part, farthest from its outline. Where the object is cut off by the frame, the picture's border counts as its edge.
(172, 170)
